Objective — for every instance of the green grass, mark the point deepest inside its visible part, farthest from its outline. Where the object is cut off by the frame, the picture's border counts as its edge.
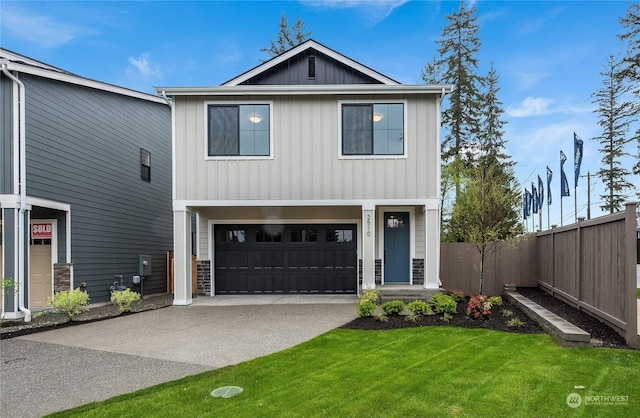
(415, 372)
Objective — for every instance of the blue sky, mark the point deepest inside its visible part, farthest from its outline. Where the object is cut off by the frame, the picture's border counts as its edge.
(548, 55)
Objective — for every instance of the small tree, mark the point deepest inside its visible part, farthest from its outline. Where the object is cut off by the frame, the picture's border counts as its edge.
(484, 213)
(7, 286)
(287, 38)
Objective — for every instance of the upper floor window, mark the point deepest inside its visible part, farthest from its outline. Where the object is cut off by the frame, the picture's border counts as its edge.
(145, 165)
(373, 129)
(238, 130)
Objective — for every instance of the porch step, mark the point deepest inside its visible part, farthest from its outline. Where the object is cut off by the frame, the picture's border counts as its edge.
(405, 293)
(561, 330)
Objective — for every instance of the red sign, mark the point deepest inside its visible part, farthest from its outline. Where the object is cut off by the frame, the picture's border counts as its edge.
(41, 231)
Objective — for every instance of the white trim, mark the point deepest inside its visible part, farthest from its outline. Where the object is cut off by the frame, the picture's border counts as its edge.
(308, 90)
(81, 81)
(405, 138)
(181, 205)
(212, 222)
(208, 157)
(412, 236)
(174, 173)
(16, 139)
(303, 47)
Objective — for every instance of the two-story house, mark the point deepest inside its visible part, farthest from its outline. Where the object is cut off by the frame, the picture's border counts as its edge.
(309, 174)
(85, 184)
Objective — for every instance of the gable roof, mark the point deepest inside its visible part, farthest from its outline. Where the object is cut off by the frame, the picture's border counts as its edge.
(24, 64)
(300, 49)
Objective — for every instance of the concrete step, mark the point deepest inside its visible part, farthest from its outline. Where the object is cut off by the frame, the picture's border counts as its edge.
(405, 293)
(563, 331)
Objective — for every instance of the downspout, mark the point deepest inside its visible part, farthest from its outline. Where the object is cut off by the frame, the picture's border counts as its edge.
(23, 190)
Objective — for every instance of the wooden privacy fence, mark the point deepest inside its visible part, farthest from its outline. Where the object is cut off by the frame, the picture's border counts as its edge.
(170, 273)
(590, 265)
(512, 262)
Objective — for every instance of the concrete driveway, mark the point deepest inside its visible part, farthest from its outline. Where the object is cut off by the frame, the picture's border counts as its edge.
(56, 370)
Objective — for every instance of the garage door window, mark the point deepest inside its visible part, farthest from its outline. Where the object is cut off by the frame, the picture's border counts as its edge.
(233, 235)
(304, 235)
(268, 236)
(339, 235)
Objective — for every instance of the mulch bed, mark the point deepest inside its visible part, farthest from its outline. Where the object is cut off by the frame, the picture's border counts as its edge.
(497, 321)
(598, 330)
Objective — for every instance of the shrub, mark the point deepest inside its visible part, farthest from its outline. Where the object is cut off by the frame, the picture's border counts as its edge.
(479, 306)
(70, 302)
(442, 303)
(382, 318)
(457, 295)
(365, 307)
(420, 307)
(370, 294)
(412, 317)
(507, 313)
(124, 298)
(393, 307)
(495, 300)
(515, 322)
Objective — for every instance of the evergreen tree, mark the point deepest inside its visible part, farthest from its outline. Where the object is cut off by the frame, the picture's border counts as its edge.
(614, 117)
(630, 68)
(491, 136)
(287, 38)
(457, 64)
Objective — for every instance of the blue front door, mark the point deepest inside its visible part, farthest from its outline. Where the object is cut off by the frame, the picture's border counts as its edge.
(396, 247)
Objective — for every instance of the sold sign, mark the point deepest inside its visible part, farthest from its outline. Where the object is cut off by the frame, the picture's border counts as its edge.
(41, 231)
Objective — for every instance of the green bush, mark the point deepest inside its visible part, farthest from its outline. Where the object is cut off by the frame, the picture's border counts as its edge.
(515, 323)
(70, 302)
(365, 307)
(124, 298)
(495, 300)
(442, 303)
(370, 294)
(507, 313)
(420, 307)
(393, 307)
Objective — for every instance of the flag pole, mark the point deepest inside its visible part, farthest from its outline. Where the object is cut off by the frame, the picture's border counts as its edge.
(548, 217)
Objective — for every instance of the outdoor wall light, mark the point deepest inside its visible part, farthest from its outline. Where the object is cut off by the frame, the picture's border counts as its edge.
(377, 117)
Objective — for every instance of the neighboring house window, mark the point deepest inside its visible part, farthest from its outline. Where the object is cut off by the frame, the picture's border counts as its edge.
(145, 165)
(238, 130)
(311, 66)
(373, 129)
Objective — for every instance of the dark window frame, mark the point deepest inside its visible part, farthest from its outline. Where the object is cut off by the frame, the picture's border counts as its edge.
(232, 134)
(365, 128)
(145, 165)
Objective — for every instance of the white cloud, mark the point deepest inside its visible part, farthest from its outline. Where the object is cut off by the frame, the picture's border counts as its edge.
(141, 68)
(42, 30)
(530, 106)
(374, 10)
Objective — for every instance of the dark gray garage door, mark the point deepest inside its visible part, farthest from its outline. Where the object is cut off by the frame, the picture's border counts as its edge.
(285, 259)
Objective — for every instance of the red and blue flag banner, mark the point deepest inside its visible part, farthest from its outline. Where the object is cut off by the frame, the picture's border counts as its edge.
(577, 156)
(564, 184)
(549, 177)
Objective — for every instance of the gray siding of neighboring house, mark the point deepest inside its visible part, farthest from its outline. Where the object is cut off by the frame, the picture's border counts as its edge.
(84, 149)
(294, 71)
(6, 136)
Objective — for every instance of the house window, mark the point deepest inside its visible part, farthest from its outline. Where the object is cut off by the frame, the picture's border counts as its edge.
(311, 66)
(145, 165)
(373, 129)
(304, 235)
(268, 235)
(233, 235)
(238, 130)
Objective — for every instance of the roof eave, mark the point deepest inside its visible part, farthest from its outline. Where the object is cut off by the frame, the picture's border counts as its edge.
(279, 90)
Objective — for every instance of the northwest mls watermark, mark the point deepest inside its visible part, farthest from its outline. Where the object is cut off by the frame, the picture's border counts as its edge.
(575, 400)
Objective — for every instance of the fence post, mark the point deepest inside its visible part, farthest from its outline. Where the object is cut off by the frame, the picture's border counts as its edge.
(631, 303)
(579, 259)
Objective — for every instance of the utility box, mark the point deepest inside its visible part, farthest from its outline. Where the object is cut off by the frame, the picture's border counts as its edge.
(144, 265)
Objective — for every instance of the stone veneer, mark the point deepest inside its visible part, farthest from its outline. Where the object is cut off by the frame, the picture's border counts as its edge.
(418, 270)
(204, 277)
(377, 271)
(62, 276)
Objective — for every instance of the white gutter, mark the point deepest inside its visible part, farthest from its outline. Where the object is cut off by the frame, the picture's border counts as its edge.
(23, 191)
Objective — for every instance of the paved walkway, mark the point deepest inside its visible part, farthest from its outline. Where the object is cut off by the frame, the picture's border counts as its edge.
(56, 370)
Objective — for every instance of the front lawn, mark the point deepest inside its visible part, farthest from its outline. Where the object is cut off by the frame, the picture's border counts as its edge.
(415, 372)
